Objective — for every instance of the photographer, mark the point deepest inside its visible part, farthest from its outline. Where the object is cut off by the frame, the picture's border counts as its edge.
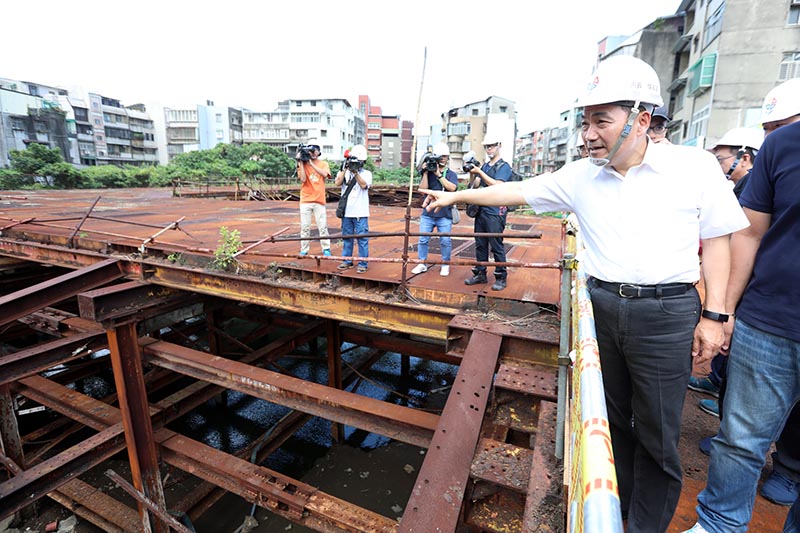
(356, 215)
(490, 219)
(312, 172)
(436, 176)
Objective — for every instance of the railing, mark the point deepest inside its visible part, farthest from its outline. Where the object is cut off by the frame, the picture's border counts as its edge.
(593, 504)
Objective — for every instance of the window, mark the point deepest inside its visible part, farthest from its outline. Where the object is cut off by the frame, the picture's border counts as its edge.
(701, 74)
(699, 123)
(790, 66)
(219, 117)
(794, 13)
(33, 90)
(474, 112)
(503, 109)
(713, 26)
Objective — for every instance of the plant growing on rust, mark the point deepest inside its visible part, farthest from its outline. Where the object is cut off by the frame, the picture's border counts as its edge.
(230, 242)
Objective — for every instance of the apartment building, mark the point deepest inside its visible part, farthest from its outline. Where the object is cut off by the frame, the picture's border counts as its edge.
(31, 112)
(336, 123)
(463, 128)
(728, 57)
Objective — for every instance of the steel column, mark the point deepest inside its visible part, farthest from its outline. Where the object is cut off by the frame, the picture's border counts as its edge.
(334, 343)
(10, 441)
(129, 378)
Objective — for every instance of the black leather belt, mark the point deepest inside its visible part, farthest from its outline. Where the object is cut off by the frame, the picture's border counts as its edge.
(628, 290)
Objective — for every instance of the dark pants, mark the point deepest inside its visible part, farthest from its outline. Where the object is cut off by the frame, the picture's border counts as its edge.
(645, 354)
(488, 223)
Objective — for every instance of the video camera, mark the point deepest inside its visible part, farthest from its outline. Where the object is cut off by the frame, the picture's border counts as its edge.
(353, 164)
(470, 162)
(430, 163)
(304, 152)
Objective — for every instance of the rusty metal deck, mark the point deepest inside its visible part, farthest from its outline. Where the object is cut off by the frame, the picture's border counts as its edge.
(163, 247)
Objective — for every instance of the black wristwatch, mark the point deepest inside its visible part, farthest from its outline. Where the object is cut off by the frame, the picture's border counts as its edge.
(711, 315)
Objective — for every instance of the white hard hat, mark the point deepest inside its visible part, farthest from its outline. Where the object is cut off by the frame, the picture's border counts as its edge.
(491, 138)
(314, 142)
(782, 102)
(741, 138)
(622, 79)
(359, 151)
(441, 149)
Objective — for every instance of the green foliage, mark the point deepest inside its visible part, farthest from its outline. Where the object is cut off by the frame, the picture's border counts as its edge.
(63, 175)
(229, 243)
(104, 177)
(12, 179)
(397, 176)
(176, 257)
(34, 158)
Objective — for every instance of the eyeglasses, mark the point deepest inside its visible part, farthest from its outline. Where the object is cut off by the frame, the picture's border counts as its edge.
(487, 146)
(658, 129)
(721, 159)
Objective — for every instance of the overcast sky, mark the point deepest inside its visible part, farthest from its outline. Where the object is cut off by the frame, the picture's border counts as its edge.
(253, 54)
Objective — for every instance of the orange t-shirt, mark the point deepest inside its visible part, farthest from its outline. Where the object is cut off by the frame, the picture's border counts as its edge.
(312, 191)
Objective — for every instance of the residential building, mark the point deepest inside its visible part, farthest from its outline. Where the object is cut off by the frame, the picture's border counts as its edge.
(729, 56)
(182, 130)
(218, 124)
(333, 121)
(388, 138)
(26, 116)
(463, 128)
(406, 142)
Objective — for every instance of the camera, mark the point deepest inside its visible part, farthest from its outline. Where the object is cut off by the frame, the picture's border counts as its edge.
(431, 163)
(304, 153)
(353, 164)
(470, 162)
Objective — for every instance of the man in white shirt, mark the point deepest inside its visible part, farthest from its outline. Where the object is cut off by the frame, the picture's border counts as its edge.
(355, 182)
(641, 208)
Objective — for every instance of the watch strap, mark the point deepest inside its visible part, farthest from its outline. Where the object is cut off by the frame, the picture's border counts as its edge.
(711, 315)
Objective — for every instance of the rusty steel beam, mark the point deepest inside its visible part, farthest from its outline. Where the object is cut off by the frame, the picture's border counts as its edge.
(269, 489)
(26, 301)
(397, 422)
(129, 378)
(435, 503)
(45, 477)
(272, 490)
(43, 356)
(424, 320)
(129, 298)
(151, 505)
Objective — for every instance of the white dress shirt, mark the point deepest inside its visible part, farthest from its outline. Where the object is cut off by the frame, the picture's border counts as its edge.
(644, 227)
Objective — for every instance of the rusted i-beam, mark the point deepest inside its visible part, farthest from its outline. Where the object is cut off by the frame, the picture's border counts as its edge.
(71, 240)
(129, 378)
(26, 301)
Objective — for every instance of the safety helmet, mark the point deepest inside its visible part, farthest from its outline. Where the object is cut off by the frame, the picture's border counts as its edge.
(661, 111)
(622, 79)
(491, 138)
(314, 142)
(741, 138)
(359, 151)
(441, 149)
(782, 101)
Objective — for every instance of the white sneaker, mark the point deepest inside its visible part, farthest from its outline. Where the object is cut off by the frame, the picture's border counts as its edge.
(419, 269)
(697, 528)
(445, 270)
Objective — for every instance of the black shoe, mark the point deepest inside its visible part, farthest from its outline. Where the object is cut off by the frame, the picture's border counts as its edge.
(499, 285)
(474, 280)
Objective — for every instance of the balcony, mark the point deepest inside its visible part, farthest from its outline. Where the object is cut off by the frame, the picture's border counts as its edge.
(118, 141)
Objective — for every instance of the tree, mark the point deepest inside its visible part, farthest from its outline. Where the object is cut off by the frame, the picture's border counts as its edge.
(34, 158)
